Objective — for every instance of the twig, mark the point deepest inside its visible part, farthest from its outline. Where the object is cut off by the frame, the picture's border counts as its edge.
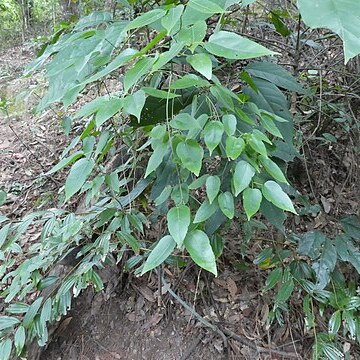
(194, 313)
(259, 349)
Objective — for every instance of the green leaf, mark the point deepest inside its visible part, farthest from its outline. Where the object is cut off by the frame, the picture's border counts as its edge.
(268, 123)
(133, 104)
(273, 169)
(280, 27)
(269, 98)
(233, 46)
(205, 6)
(273, 214)
(172, 18)
(212, 187)
(347, 251)
(146, 19)
(32, 312)
(65, 162)
(180, 194)
(167, 56)
(78, 174)
(217, 245)
(2, 197)
(5, 349)
(275, 74)
(243, 174)
(335, 322)
(159, 254)
(130, 240)
(234, 146)
(118, 61)
(310, 243)
(7, 322)
(157, 156)
(226, 204)
(351, 225)
(188, 81)
(198, 182)
(191, 155)
(325, 265)
(107, 110)
(285, 291)
(274, 193)
(161, 94)
(164, 195)
(198, 245)
(201, 63)
(19, 340)
(4, 231)
(340, 16)
(133, 75)
(205, 211)
(256, 143)
(273, 278)
(213, 133)
(251, 201)
(178, 219)
(184, 121)
(230, 122)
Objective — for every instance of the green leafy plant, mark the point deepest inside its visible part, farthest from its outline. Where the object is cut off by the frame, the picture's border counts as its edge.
(176, 132)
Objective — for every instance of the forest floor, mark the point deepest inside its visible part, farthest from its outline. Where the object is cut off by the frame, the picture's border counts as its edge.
(138, 318)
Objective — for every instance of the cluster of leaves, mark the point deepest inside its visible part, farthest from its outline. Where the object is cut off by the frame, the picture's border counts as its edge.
(192, 151)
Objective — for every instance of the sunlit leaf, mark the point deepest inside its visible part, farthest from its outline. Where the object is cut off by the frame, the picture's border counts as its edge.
(198, 245)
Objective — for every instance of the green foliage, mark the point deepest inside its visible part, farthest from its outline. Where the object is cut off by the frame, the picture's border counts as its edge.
(340, 17)
(176, 133)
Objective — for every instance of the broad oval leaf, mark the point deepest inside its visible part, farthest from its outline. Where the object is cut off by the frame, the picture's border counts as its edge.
(213, 133)
(340, 16)
(78, 174)
(233, 46)
(205, 211)
(172, 18)
(273, 169)
(205, 6)
(234, 146)
(133, 104)
(201, 63)
(146, 19)
(178, 219)
(275, 194)
(133, 75)
(159, 254)
(191, 155)
(230, 122)
(257, 145)
(212, 187)
(156, 157)
(251, 201)
(226, 204)
(198, 245)
(242, 177)
(184, 121)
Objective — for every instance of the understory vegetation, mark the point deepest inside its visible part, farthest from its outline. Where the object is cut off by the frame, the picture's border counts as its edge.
(185, 122)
